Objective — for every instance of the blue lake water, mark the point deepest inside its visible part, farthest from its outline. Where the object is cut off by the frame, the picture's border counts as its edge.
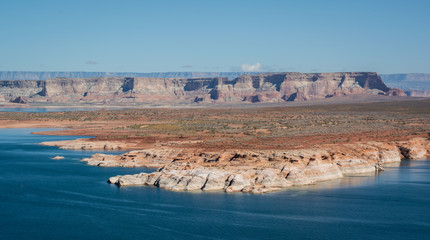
(43, 198)
(54, 109)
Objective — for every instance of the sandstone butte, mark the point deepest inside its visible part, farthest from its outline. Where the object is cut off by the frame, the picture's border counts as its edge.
(249, 171)
(266, 87)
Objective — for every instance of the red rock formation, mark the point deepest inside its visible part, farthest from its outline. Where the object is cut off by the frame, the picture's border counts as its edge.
(396, 92)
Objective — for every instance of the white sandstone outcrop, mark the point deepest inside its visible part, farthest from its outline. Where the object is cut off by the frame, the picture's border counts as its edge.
(257, 171)
(85, 144)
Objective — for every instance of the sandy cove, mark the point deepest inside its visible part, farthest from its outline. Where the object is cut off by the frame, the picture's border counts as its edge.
(248, 171)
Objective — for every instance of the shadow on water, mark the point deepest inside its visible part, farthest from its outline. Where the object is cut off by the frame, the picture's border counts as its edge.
(405, 163)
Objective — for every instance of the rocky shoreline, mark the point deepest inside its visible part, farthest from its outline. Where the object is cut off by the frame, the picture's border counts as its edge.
(85, 144)
(256, 171)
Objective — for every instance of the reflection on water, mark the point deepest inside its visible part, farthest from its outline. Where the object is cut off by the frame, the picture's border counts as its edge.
(355, 180)
(393, 165)
(405, 163)
(345, 182)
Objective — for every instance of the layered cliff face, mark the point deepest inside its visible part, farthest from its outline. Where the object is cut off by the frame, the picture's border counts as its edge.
(411, 81)
(306, 86)
(22, 88)
(268, 87)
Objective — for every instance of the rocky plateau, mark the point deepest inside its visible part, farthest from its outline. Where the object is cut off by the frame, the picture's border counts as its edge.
(264, 87)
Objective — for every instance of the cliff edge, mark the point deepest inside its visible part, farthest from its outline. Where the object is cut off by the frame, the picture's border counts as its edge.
(265, 87)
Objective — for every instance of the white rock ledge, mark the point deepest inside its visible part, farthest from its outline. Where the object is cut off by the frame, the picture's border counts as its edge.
(258, 171)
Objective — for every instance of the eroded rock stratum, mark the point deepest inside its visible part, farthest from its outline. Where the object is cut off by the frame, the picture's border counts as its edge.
(257, 171)
(266, 87)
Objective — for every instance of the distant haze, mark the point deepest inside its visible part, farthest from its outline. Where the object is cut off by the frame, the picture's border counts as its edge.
(20, 75)
(411, 81)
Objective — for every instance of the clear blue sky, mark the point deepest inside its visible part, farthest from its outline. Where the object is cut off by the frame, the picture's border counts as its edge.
(391, 36)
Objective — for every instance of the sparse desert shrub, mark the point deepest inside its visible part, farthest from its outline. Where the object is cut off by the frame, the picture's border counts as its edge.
(135, 126)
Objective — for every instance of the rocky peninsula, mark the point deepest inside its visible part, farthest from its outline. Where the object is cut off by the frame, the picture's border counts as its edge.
(257, 171)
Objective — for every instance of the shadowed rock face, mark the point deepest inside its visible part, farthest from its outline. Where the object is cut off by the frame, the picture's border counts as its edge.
(22, 88)
(267, 87)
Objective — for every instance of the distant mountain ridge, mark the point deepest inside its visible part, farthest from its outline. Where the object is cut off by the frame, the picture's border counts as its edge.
(265, 87)
(407, 81)
(414, 84)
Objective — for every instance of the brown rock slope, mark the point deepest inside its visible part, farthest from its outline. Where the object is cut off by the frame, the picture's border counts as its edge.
(267, 87)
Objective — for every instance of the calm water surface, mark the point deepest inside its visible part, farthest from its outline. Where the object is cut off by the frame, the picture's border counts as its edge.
(55, 109)
(43, 198)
